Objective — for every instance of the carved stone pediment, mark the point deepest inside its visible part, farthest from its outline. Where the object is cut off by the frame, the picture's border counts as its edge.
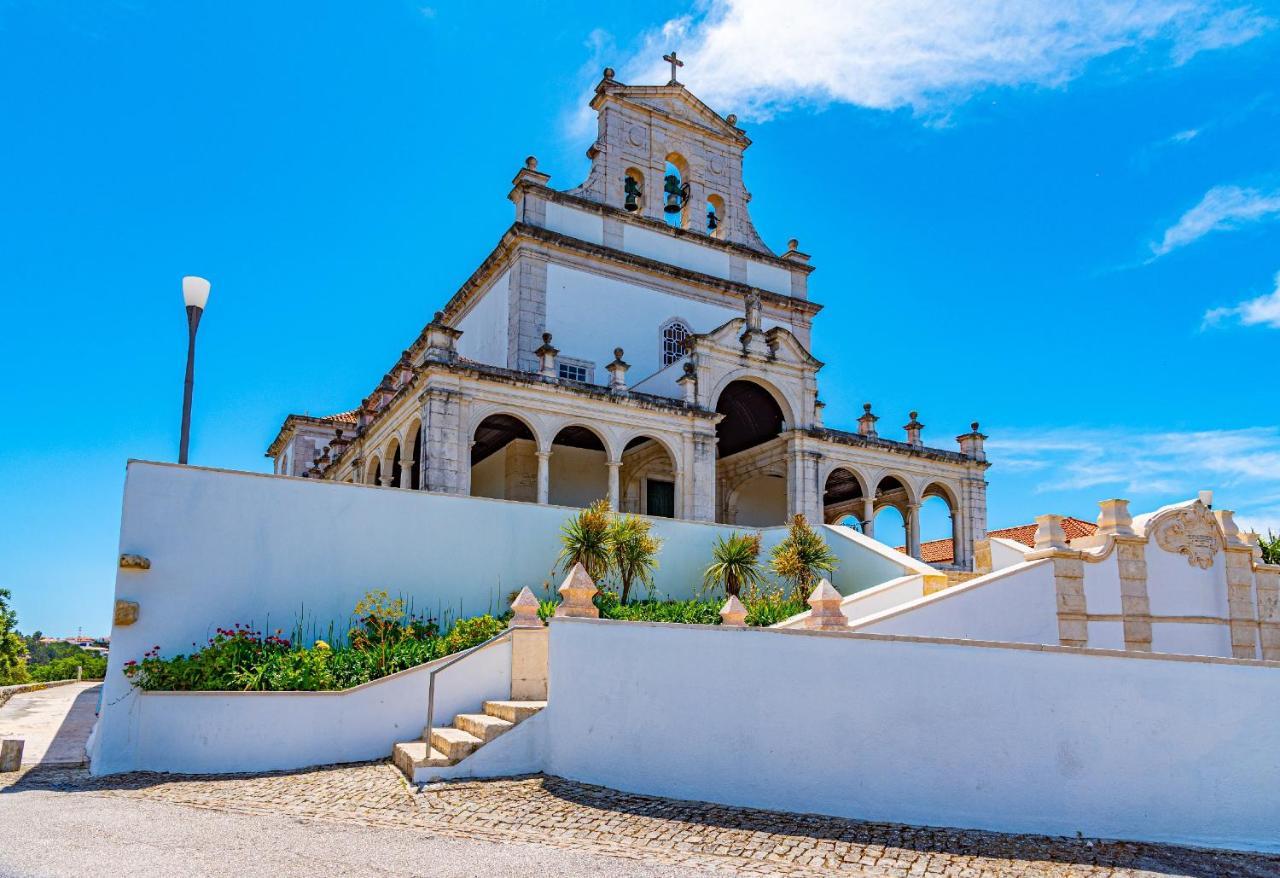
(1190, 531)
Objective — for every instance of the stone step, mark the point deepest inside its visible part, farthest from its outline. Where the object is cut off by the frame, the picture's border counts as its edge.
(416, 754)
(454, 743)
(481, 725)
(513, 711)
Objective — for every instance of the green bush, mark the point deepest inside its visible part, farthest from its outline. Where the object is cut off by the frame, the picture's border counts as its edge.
(94, 666)
(385, 639)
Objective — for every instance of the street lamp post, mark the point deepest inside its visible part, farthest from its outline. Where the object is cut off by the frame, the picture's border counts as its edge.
(195, 292)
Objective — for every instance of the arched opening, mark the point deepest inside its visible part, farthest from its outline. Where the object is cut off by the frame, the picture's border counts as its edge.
(675, 191)
(715, 216)
(891, 527)
(504, 463)
(373, 473)
(751, 465)
(674, 334)
(415, 471)
(579, 467)
(647, 480)
(937, 527)
(396, 472)
(633, 190)
(843, 499)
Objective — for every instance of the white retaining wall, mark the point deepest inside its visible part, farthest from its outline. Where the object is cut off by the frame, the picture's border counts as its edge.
(1000, 737)
(219, 732)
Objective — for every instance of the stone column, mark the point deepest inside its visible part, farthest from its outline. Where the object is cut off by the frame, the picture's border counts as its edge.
(802, 481)
(1135, 604)
(1068, 579)
(680, 493)
(702, 478)
(869, 516)
(442, 430)
(1267, 584)
(406, 472)
(913, 530)
(528, 650)
(544, 477)
(614, 466)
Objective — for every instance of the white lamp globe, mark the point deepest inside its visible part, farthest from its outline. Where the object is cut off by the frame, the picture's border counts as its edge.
(195, 291)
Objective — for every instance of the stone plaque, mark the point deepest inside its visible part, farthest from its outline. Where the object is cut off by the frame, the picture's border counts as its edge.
(1191, 532)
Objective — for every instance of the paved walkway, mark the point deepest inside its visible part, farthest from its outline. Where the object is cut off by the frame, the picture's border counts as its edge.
(547, 825)
(55, 723)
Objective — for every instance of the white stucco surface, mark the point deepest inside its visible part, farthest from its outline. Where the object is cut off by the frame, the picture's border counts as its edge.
(215, 732)
(674, 251)
(229, 547)
(1002, 738)
(484, 327)
(581, 224)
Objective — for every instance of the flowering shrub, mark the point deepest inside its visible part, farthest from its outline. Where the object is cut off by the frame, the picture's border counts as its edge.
(384, 639)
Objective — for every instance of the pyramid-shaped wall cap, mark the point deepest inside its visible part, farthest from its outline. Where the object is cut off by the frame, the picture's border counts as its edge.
(826, 614)
(577, 590)
(823, 593)
(525, 610)
(733, 612)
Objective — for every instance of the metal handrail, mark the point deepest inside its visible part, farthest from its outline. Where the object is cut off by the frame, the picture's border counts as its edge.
(431, 680)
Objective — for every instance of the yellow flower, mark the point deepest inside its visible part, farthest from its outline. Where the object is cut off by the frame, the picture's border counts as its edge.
(320, 644)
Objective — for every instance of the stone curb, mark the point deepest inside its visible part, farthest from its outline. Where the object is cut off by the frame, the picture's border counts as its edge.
(7, 692)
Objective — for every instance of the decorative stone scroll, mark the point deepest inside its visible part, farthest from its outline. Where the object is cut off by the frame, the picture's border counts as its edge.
(1190, 531)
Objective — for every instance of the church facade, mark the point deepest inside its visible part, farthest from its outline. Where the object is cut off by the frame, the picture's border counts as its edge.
(634, 338)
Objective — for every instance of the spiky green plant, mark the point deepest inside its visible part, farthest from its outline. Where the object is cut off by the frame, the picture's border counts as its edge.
(1270, 547)
(735, 563)
(585, 540)
(802, 558)
(634, 552)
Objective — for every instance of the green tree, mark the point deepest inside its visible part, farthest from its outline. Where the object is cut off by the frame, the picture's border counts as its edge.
(585, 539)
(802, 558)
(735, 562)
(13, 649)
(633, 551)
(1270, 548)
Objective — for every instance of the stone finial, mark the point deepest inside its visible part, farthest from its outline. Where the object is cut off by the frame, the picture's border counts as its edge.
(1049, 534)
(1206, 497)
(913, 428)
(867, 423)
(793, 244)
(617, 373)
(546, 355)
(531, 162)
(1114, 518)
(525, 610)
(732, 118)
(338, 443)
(818, 406)
(1253, 539)
(125, 613)
(733, 613)
(576, 593)
(971, 443)
(1226, 521)
(826, 614)
(442, 341)
(134, 562)
(608, 73)
(689, 384)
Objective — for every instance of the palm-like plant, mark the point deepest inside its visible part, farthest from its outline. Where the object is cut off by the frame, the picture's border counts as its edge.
(584, 539)
(802, 558)
(1270, 548)
(633, 552)
(735, 563)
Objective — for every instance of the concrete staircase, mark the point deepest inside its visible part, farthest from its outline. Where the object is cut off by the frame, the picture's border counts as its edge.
(470, 731)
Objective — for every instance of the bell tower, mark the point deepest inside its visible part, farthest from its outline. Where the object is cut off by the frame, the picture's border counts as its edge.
(663, 154)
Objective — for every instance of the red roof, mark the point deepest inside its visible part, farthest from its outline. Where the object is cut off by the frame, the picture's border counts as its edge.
(343, 417)
(940, 551)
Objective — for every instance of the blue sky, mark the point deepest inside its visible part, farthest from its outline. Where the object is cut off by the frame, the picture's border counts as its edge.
(1061, 220)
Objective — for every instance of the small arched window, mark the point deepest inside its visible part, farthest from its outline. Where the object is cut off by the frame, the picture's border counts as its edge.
(633, 190)
(715, 216)
(674, 334)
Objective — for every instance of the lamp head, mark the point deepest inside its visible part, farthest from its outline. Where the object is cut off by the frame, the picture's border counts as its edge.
(195, 291)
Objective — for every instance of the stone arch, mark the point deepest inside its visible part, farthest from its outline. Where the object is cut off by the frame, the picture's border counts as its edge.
(535, 427)
(716, 216)
(373, 471)
(581, 466)
(934, 534)
(413, 440)
(633, 190)
(503, 461)
(649, 481)
(784, 402)
(675, 190)
(757, 498)
(391, 456)
(844, 492)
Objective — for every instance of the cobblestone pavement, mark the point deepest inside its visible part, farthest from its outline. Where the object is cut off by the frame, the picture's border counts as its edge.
(573, 816)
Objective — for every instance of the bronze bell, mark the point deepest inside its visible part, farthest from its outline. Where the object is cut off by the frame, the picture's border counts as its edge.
(676, 194)
(632, 190)
(713, 221)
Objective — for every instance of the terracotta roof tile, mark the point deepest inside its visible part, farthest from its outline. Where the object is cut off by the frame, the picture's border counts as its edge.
(940, 551)
(342, 417)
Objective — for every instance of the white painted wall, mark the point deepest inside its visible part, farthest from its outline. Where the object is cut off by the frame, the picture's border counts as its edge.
(484, 327)
(677, 251)
(580, 224)
(579, 476)
(762, 502)
(769, 277)
(1006, 553)
(1040, 740)
(1015, 605)
(216, 732)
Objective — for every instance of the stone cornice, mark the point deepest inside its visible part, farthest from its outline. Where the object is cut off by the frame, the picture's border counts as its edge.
(857, 440)
(293, 421)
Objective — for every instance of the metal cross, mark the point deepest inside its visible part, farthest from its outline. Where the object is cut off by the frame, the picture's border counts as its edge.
(674, 62)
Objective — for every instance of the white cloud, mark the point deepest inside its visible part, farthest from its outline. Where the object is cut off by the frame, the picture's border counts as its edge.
(754, 57)
(1186, 136)
(1261, 311)
(1241, 466)
(1222, 208)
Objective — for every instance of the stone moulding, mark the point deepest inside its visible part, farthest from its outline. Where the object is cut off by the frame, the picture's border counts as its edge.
(134, 562)
(1190, 531)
